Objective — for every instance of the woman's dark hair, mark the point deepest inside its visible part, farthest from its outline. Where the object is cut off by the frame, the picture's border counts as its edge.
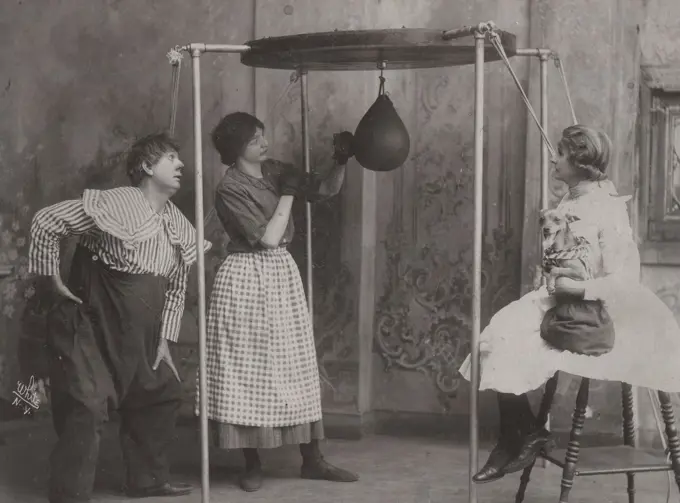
(588, 149)
(148, 150)
(233, 133)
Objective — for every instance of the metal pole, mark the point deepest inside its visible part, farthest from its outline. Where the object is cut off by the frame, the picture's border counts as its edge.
(216, 48)
(533, 52)
(544, 124)
(545, 162)
(477, 260)
(200, 261)
(304, 109)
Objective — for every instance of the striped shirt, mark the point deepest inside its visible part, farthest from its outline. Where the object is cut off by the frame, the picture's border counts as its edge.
(123, 230)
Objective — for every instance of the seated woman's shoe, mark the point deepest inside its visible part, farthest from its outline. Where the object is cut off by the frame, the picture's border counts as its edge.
(251, 480)
(495, 465)
(531, 447)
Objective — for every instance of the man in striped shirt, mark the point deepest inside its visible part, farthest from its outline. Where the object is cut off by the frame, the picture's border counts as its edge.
(108, 335)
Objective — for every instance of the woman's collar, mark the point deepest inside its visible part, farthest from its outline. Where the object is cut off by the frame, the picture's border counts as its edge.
(263, 182)
(585, 187)
(581, 188)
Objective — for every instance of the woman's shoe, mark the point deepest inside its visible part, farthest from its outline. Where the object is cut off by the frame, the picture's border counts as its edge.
(315, 467)
(320, 469)
(531, 447)
(251, 480)
(494, 468)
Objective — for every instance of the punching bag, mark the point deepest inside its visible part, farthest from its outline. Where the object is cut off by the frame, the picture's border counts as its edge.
(381, 141)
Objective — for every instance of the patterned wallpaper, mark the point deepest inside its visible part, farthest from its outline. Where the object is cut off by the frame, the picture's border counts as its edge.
(424, 311)
(66, 119)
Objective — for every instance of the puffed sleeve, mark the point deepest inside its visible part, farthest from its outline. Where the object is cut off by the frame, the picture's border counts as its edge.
(50, 225)
(620, 256)
(175, 296)
(234, 204)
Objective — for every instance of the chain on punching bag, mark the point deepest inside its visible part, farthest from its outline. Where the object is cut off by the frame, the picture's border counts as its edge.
(381, 140)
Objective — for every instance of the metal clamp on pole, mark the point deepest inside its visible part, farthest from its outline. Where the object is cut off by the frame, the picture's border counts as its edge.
(458, 32)
(469, 30)
(533, 52)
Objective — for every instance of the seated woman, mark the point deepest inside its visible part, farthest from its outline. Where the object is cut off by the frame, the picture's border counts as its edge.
(262, 370)
(647, 337)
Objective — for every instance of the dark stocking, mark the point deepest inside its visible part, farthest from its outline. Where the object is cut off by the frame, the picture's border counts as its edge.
(252, 459)
(517, 421)
(251, 480)
(516, 417)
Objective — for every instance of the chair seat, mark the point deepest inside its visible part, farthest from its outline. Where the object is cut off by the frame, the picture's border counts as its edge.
(613, 460)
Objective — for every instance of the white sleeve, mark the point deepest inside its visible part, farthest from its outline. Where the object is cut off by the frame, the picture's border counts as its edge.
(620, 256)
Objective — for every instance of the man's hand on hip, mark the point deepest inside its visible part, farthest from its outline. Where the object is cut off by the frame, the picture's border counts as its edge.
(163, 354)
(63, 290)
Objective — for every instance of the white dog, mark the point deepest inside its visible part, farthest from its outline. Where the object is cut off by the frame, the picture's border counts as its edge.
(564, 254)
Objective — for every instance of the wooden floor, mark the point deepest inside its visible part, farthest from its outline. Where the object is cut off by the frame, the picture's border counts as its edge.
(393, 470)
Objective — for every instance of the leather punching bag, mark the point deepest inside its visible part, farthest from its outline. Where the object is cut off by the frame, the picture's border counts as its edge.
(381, 141)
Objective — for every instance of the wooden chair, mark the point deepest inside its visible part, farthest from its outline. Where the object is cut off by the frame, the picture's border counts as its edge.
(623, 459)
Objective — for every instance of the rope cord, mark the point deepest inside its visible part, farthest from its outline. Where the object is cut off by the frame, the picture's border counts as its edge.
(175, 58)
(496, 42)
(294, 77)
(381, 87)
(563, 77)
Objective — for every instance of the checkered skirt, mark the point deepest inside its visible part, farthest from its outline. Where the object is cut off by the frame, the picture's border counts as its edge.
(261, 358)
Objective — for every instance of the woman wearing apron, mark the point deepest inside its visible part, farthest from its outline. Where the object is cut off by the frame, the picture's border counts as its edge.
(262, 370)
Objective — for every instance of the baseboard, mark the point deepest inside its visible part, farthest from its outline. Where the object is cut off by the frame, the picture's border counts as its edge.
(337, 425)
(348, 426)
(452, 427)
(456, 428)
(355, 426)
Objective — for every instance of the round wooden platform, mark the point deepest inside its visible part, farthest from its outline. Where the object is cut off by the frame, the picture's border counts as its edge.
(407, 48)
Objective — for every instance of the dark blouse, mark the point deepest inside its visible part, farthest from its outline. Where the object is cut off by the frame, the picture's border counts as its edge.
(245, 204)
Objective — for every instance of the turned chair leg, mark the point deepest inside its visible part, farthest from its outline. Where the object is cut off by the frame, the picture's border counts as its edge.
(524, 482)
(628, 431)
(579, 418)
(671, 433)
(541, 419)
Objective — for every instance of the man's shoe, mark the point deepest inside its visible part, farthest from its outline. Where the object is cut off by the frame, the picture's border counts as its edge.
(167, 489)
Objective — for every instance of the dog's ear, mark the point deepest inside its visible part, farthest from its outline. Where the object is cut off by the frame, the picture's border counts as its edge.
(571, 218)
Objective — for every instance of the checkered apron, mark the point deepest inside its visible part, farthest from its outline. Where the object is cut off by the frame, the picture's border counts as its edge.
(261, 358)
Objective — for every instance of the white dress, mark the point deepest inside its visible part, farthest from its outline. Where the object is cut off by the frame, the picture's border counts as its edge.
(514, 358)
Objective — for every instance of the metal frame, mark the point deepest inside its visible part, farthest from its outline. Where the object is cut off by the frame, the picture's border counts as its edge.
(479, 32)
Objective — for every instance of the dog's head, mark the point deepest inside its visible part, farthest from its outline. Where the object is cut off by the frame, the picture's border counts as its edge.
(553, 222)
